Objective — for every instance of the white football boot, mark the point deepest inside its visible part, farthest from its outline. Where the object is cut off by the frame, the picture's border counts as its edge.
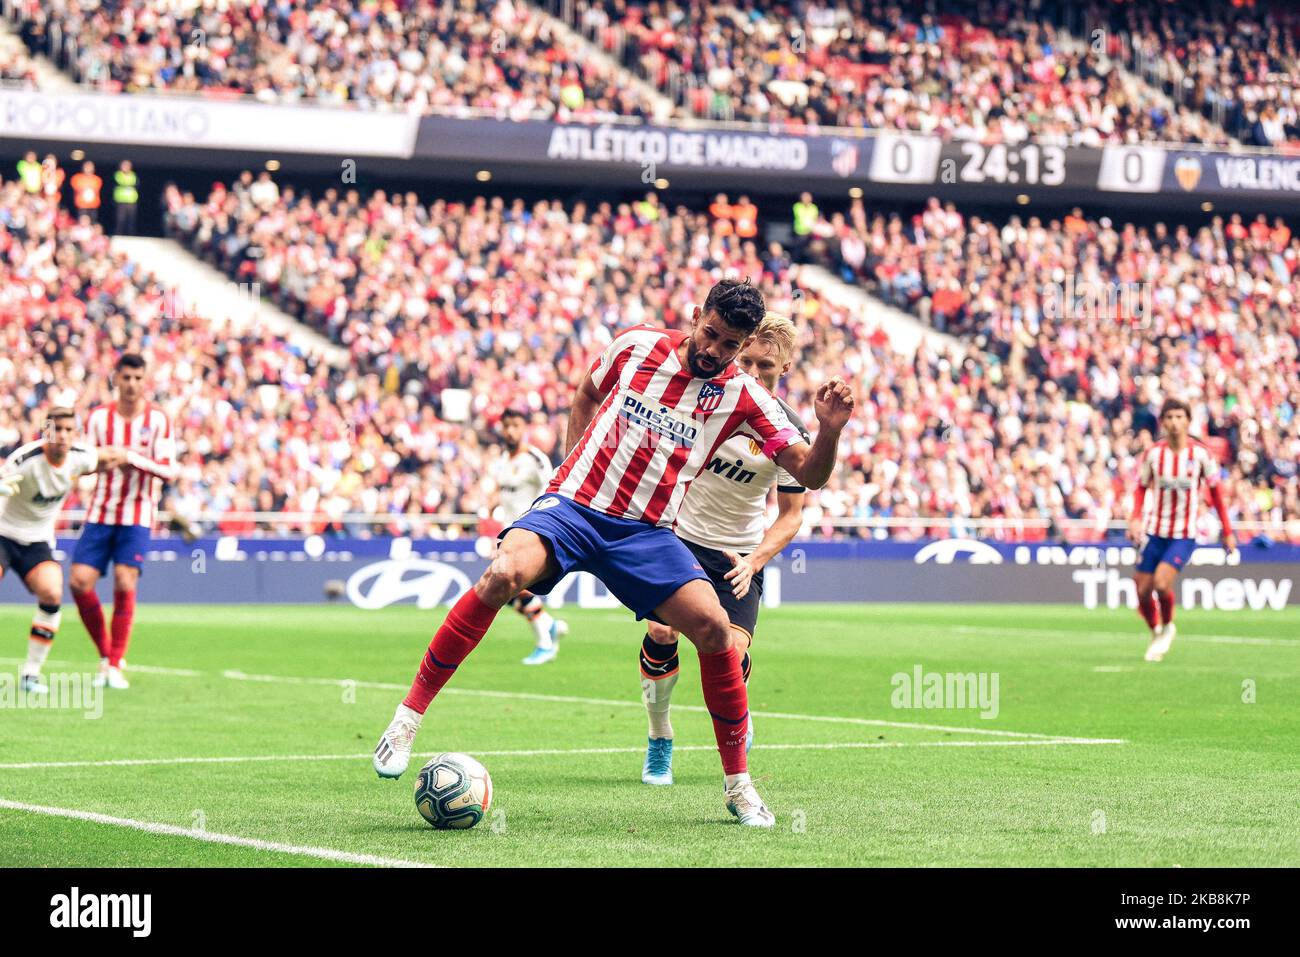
(1160, 647)
(744, 802)
(543, 654)
(101, 677)
(32, 684)
(393, 753)
(116, 679)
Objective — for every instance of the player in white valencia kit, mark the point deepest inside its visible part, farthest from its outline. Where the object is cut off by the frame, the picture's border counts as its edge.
(34, 481)
(521, 477)
(722, 521)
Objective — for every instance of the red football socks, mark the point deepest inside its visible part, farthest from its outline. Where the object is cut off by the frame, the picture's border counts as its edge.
(1147, 609)
(459, 634)
(92, 616)
(1166, 606)
(728, 703)
(123, 615)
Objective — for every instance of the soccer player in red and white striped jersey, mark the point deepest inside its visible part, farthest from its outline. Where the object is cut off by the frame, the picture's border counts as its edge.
(648, 417)
(121, 513)
(1177, 471)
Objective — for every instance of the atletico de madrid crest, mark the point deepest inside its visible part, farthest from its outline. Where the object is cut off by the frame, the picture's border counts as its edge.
(710, 397)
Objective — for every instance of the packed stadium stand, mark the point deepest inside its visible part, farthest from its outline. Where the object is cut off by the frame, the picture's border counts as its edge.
(969, 72)
(1007, 413)
(489, 54)
(1041, 420)
(1221, 59)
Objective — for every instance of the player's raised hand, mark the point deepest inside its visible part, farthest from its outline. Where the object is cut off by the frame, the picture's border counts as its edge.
(9, 484)
(740, 575)
(833, 403)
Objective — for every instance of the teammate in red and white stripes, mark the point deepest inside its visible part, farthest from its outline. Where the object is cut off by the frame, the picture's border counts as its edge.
(1176, 470)
(121, 512)
(648, 417)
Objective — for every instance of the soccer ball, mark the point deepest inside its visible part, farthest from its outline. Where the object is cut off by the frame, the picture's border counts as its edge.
(453, 791)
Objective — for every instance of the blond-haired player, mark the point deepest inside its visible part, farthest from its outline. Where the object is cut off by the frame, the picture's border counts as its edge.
(722, 521)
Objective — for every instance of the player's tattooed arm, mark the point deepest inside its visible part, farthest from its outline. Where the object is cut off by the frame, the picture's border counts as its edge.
(585, 403)
(813, 464)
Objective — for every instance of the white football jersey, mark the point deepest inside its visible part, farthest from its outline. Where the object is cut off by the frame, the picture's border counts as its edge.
(29, 515)
(520, 479)
(726, 506)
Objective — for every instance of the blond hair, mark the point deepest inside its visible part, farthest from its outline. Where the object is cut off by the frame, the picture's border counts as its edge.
(780, 332)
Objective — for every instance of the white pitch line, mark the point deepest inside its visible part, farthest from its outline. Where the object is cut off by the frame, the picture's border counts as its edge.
(1071, 632)
(545, 752)
(90, 667)
(236, 675)
(622, 703)
(153, 827)
(156, 670)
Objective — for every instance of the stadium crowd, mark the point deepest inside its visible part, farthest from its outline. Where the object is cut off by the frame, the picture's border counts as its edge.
(260, 425)
(1238, 63)
(16, 71)
(1095, 319)
(499, 55)
(1028, 418)
(994, 74)
(975, 72)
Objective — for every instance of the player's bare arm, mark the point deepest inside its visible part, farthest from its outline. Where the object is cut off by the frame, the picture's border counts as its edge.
(813, 464)
(585, 403)
(1215, 495)
(779, 534)
(1136, 520)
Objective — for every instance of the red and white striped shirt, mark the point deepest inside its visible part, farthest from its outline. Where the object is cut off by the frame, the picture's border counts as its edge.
(129, 495)
(1175, 480)
(659, 425)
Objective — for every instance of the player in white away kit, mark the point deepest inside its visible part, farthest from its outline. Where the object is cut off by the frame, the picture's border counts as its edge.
(34, 481)
(722, 521)
(1175, 470)
(121, 512)
(521, 476)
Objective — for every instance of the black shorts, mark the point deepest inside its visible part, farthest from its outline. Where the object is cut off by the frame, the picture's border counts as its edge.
(741, 612)
(23, 558)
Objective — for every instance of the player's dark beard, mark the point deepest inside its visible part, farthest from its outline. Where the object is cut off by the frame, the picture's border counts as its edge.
(693, 364)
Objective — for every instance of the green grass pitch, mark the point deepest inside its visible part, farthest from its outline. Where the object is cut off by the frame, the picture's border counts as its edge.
(1095, 758)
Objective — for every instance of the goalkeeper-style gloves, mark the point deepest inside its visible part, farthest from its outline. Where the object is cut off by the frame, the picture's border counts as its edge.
(9, 484)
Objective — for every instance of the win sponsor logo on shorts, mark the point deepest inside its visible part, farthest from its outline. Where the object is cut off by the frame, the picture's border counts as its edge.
(658, 423)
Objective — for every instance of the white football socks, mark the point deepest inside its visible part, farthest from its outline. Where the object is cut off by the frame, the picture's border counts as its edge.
(657, 694)
(542, 630)
(37, 652)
